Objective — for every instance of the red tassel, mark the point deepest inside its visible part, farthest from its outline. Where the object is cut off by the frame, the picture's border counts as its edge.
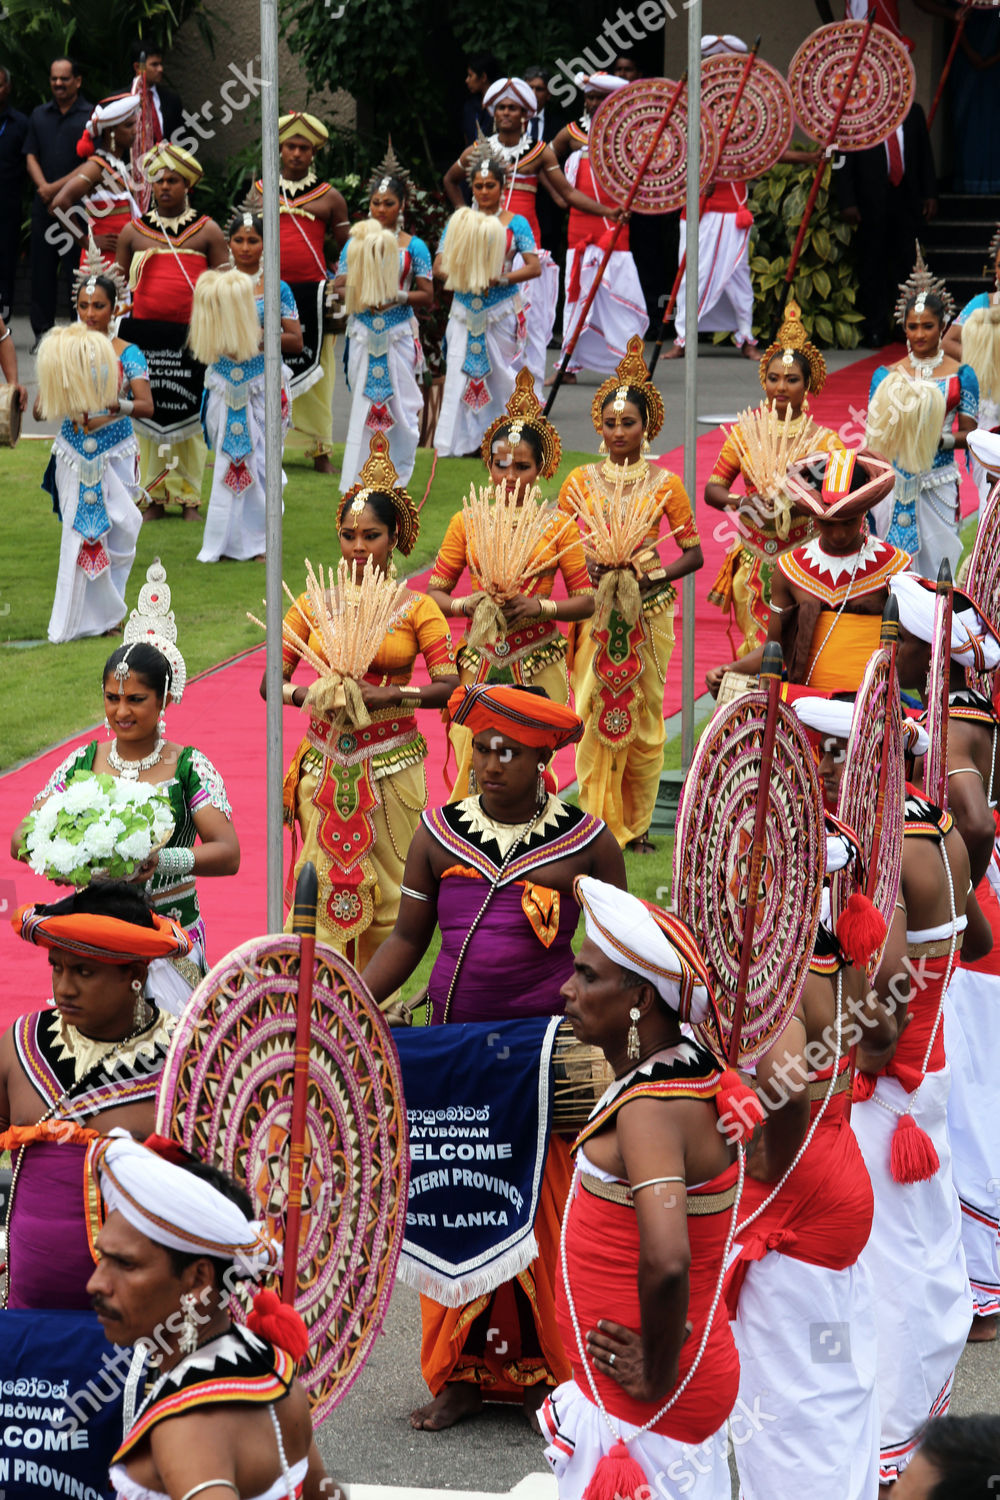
(169, 1150)
(85, 145)
(738, 1107)
(912, 1157)
(279, 1324)
(861, 930)
(744, 218)
(617, 1477)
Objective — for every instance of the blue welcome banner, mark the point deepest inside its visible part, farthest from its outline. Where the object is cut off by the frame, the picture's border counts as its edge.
(479, 1105)
(61, 1387)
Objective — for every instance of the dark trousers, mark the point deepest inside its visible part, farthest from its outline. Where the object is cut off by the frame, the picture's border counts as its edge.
(10, 245)
(885, 245)
(53, 255)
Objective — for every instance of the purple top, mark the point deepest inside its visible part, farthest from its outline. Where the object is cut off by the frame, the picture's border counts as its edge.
(49, 1259)
(504, 944)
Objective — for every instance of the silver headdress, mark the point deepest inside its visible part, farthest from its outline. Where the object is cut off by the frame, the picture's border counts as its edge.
(484, 161)
(919, 285)
(153, 621)
(93, 265)
(389, 168)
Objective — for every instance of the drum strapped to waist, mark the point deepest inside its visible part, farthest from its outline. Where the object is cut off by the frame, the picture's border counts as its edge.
(10, 416)
(581, 1074)
(734, 685)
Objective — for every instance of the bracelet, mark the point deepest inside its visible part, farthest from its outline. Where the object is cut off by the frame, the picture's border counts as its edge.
(402, 295)
(126, 406)
(178, 862)
(288, 693)
(211, 1484)
(4, 335)
(460, 602)
(407, 890)
(948, 441)
(547, 609)
(412, 692)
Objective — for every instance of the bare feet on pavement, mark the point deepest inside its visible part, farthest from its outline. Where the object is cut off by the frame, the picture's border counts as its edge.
(456, 1401)
(534, 1396)
(983, 1330)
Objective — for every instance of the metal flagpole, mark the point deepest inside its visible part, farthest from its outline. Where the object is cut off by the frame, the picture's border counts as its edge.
(691, 367)
(272, 433)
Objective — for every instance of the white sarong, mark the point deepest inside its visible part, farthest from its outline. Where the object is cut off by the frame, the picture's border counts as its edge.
(404, 359)
(235, 525)
(923, 1305)
(972, 1043)
(461, 425)
(541, 298)
(578, 1437)
(91, 603)
(725, 294)
(617, 313)
(806, 1337)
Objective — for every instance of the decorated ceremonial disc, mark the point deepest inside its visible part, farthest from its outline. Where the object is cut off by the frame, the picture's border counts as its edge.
(873, 762)
(880, 95)
(712, 850)
(982, 579)
(226, 1095)
(761, 128)
(621, 131)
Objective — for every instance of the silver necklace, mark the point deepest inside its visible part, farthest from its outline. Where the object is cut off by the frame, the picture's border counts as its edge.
(924, 369)
(510, 154)
(129, 770)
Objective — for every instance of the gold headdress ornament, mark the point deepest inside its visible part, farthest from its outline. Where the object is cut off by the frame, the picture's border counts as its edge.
(792, 339)
(389, 167)
(994, 248)
(483, 162)
(94, 264)
(921, 284)
(152, 621)
(525, 410)
(378, 476)
(305, 125)
(632, 371)
(166, 157)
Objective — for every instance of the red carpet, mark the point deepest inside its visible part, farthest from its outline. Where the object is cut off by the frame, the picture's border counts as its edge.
(223, 715)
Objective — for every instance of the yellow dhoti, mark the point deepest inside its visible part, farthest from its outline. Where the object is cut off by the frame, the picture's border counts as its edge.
(620, 757)
(312, 412)
(181, 465)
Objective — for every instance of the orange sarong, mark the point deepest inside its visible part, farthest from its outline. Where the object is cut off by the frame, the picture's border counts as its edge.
(500, 1364)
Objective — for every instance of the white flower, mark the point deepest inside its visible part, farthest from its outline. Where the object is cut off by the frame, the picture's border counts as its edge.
(80, 796)
(136, 846)
(100, 841)
(63, 857)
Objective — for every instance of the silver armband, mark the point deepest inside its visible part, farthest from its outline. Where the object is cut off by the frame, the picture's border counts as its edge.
(177, 862)
(948, 441)
(126, 406)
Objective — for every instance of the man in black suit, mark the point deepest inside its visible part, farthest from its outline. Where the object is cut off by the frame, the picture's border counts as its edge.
(889, 192)
(147, 62)
(13, 129)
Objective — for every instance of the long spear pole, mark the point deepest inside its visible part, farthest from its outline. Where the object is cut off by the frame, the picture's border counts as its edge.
(842, 103)
(615, 236)
(304, 927)
(960, 21)
(889, 641)
(936, 764)
(723, 140)
(770, 677)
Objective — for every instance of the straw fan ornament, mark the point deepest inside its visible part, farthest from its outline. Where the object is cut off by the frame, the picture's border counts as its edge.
(505, 539)
(352, 617)
(767, 444)
(613, 530)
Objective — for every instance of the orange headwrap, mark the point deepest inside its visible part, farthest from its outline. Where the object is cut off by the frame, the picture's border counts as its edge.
(527, 718)
(107, 940)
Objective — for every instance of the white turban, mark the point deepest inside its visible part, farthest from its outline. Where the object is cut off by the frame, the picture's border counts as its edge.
(511, 91)
(173, 1207)
(114, 111)
(827, 716)
(599, 83)
(985, 446)
(715, 46)
(653, 943)
(973, 642)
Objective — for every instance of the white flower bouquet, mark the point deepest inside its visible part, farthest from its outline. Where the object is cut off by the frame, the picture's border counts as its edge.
(100, 827)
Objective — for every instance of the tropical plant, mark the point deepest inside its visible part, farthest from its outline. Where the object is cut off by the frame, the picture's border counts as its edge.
(97, 33)
(825, 284)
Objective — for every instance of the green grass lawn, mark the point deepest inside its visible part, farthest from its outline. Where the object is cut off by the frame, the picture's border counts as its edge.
(50, 692)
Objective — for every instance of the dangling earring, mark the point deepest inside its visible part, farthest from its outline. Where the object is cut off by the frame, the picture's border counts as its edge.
(111, 727)
(187, 1338)
(632, 1040)
(140, 1009)
(390, 571)
(645, 443)
(603, 447)
(473, 781)
(161, 726)
(541, 791)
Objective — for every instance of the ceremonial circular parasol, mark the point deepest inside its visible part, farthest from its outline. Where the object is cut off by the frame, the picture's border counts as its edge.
(716, 825)
(873, 792)
(880, 96)
(226, 1095)
(762, 127)
(982, 579)
(620, 133)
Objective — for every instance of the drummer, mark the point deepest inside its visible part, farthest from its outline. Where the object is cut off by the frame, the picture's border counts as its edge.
(464, 860)
(8, 367)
